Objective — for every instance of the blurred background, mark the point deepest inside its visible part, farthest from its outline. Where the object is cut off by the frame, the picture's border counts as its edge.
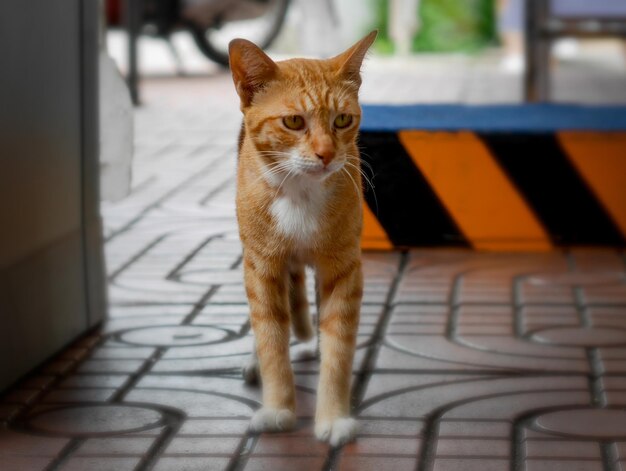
(474, 46)
(427, 52)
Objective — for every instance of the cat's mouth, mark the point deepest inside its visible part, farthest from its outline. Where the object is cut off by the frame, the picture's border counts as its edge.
(319, 171)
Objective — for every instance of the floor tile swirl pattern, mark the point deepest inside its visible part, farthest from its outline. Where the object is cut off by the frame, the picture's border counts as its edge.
(465, 361)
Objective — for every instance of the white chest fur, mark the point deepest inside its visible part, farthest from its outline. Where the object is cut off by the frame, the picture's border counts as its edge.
(298, 210)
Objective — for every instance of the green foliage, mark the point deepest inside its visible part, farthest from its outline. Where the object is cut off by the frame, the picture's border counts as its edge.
(383, 44)
(455, 25)
(446, 25)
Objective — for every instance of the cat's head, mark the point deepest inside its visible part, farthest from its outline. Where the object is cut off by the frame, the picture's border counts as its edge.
(302, 114)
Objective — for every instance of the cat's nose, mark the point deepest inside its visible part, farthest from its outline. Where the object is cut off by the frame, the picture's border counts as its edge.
(324, 149)
(326, 156)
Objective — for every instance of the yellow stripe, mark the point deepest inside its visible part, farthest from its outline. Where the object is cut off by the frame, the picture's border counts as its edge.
(600, 159)
(373, 236)
(475, 191)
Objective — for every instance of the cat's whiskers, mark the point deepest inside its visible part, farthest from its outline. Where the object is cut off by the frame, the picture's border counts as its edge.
(273, 169)
(284, 179)
(354, 158)
(367, 180)
(356, 188)
(269, 175)
(276, 153)
(362, 172)
(273, 165)
(278, 156)
(363, 162)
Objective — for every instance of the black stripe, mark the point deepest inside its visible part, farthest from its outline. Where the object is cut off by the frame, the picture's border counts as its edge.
(408, 209)
(541, 170)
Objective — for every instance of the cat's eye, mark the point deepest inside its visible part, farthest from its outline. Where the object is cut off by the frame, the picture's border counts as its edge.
(294, 122)
(343, 121)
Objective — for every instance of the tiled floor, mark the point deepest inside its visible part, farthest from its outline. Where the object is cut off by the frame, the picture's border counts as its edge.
(466, 361)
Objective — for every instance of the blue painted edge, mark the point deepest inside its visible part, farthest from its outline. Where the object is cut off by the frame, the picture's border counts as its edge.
(494, 118)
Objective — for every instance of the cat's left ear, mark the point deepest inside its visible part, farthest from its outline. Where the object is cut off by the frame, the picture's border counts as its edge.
(349, 62)
(251, 68)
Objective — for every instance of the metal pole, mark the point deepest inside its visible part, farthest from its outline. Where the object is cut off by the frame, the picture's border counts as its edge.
(538, 46)
(530, 81)
(133, 12)
(544, 47)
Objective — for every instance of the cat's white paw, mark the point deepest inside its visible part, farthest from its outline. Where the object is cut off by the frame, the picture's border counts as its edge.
(250, 372)
(272, 420)
(337, 432)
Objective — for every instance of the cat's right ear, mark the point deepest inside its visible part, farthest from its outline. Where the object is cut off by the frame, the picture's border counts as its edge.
(251, 69)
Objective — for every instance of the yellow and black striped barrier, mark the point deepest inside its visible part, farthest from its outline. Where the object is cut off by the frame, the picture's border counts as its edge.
(513, 190)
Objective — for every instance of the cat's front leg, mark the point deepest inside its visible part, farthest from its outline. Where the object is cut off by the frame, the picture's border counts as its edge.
(266, 287)
(341, 289)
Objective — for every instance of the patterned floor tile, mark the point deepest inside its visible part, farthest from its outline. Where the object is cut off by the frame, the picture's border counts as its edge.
(466, 361)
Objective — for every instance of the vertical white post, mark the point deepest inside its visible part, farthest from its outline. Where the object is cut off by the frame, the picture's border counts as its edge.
(403, 24)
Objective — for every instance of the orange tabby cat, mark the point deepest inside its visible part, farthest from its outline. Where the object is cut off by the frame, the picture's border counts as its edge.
(299, 202)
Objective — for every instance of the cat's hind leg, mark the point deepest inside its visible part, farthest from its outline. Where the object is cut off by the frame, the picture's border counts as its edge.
(299, 304)
(301, 325)
(301, 319)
